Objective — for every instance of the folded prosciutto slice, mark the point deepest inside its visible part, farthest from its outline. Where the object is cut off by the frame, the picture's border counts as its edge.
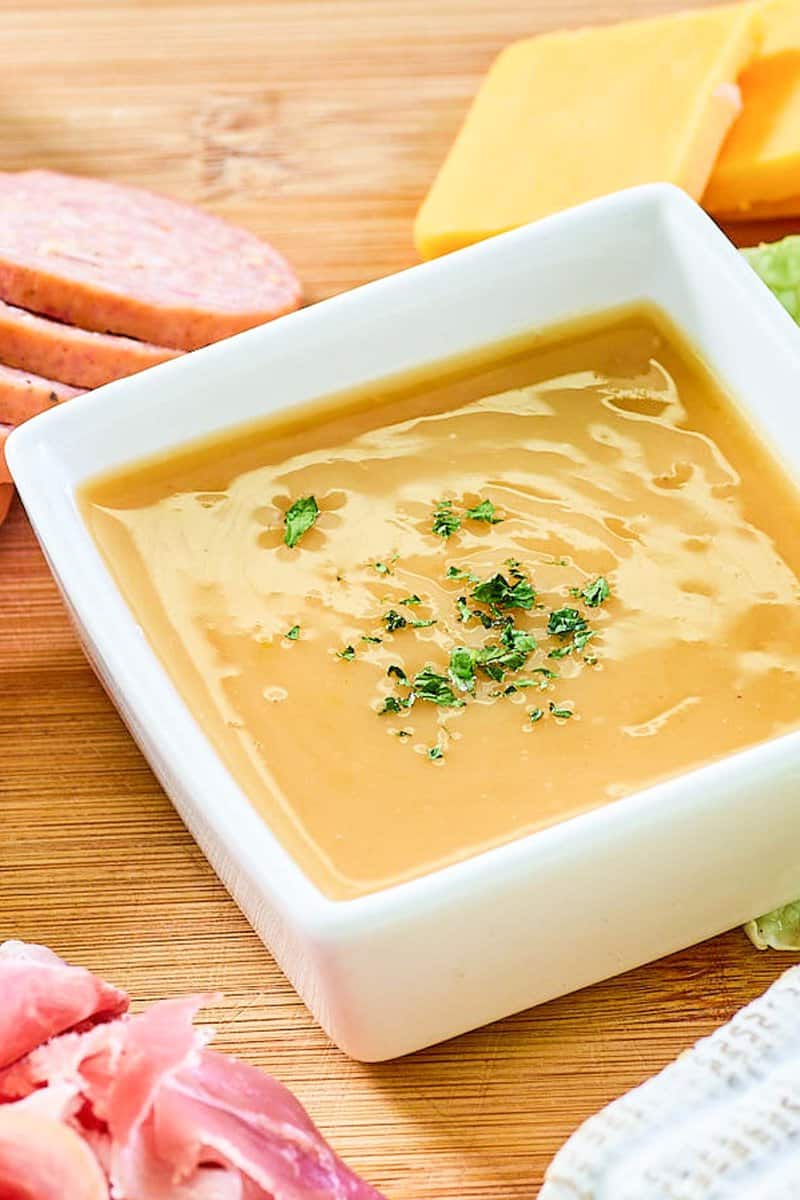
(42, 1159)
(40, 996)
(223, 1111)
(135, 1107)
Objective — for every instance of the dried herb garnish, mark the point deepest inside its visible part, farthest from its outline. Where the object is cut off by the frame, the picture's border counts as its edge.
(435, 688)
(298, 519)
(535, 715)
(393, 620)
(484, 511)
(459, 573)
(499, 595)
(445, 521)
(435, 752)
(463, 661)
(564, 622)
(594, 594)
(293, 634)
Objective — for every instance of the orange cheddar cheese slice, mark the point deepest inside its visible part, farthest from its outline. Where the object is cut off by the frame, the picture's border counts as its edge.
(565, 117)
(758, 171)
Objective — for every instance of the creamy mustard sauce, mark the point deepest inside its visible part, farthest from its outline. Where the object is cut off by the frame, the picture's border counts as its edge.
(606, 450)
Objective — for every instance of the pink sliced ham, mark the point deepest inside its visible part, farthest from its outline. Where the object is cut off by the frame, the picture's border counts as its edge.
(141, 1109)
(223, 1111)
(41, 996)
(41, 1158)
(157, 1044)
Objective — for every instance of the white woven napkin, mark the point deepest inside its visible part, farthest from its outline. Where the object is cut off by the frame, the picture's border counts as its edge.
(720, 1123)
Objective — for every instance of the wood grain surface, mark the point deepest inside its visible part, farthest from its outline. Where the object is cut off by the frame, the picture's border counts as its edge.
(318, 125)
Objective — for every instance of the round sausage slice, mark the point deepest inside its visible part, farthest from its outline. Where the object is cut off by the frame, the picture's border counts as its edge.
(23, 394)
(5, 474)
(71, 355)
(118, 259)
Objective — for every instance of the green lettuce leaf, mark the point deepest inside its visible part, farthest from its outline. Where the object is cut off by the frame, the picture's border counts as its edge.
(778, 264)
(778, 930)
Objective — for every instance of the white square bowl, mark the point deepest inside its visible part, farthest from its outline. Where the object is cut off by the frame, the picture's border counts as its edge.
(392, 972)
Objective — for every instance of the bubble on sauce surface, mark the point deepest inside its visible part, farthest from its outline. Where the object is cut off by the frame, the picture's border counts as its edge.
(698, 587)
(697, 545)
(678, 476)
(210, 499)
(640, 403)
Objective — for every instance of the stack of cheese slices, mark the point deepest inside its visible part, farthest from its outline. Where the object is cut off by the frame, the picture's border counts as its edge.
(98, 281)
(706, 99)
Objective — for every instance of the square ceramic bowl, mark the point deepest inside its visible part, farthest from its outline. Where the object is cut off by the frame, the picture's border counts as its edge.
(391, 972)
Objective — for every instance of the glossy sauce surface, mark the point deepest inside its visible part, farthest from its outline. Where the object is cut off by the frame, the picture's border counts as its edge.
(606, 450)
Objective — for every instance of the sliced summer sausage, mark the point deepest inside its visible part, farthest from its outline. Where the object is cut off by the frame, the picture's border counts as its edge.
(23, 394)
(119, 259)
(71, 355)
(5, 474)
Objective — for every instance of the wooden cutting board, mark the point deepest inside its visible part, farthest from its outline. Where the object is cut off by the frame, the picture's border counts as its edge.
(318, 125)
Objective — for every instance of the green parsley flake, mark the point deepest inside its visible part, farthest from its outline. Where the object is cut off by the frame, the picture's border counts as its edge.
(411, 600)
(445, 521)
(375, 641)
(498, 594)
(595, 593)
(563, 713)
(564, 622)
(393, 620)
(511, 655)
(348, 654)
(581, 638)
(458, 573)
(560, 651)
(382, 568)
(404, 733)
(391, 704)
(298, 519)
(293, 634)
(399, 674)
(462, 667)
(435, 688)
(423, 624)
(535, 715)
(435, 752)
(484, 511)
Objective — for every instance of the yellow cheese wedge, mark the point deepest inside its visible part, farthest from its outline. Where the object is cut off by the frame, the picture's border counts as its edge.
(758, 171)
(568, 116)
